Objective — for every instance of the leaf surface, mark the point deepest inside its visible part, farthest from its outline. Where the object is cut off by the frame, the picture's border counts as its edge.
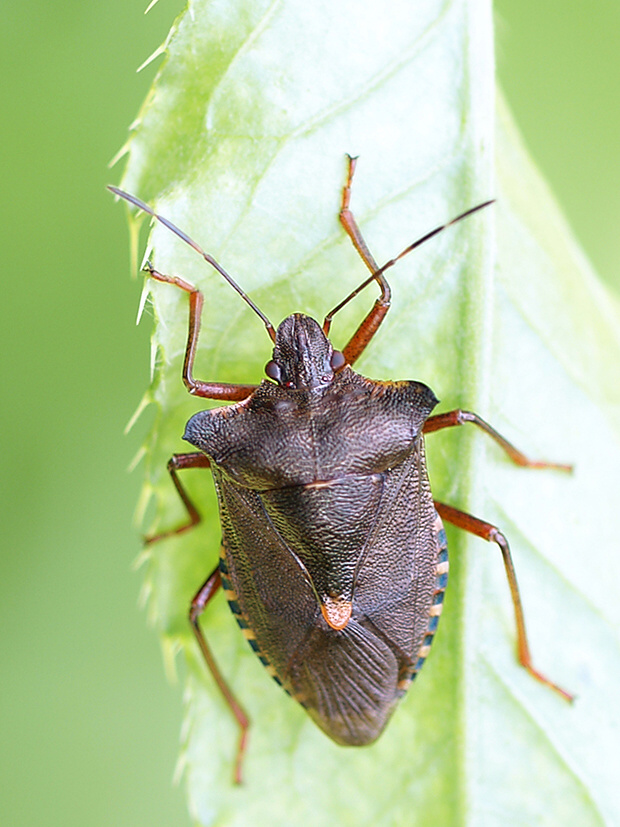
(242, 143)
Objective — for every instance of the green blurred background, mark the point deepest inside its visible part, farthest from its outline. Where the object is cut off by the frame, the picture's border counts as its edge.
(88, 724)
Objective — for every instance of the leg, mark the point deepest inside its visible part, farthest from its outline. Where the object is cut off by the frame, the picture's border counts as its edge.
(371, 323)
(369, 326)
(349, 223)
(207, 390)
(208, 258)
(204, 595)
(198, 605)
(488, 532)
(176, 463)
(458, 417)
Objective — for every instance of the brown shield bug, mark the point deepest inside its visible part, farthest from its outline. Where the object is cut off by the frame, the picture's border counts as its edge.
(333, 555)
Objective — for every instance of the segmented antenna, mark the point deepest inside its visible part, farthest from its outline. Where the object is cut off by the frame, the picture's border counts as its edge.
(145, 208)
(407, 250)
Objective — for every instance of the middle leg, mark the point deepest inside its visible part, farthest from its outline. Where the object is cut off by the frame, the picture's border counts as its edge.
(459, 417)
(176, 463)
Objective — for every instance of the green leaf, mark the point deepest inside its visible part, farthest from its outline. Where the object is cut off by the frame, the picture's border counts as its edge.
(241, 143)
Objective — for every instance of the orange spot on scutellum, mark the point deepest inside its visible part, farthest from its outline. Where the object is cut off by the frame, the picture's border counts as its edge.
(336, 611)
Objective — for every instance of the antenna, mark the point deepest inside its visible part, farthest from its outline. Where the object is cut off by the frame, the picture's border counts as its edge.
(145, 208)
(407, 250)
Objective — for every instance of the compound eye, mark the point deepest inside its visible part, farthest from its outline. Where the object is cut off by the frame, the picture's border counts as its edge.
(272, 370)
(337, 361)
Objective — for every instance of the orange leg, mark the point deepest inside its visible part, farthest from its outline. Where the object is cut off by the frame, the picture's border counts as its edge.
(176, 463)
(206, 390)
(204, 595)
(489, 532)
(371, 323)
(369, 326)
(198, 605)
(458, 417)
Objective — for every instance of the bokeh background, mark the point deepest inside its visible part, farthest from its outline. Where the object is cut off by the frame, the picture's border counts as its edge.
(88, 724)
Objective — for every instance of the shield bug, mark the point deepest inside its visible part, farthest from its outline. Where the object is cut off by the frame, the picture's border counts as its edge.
(333, 556)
